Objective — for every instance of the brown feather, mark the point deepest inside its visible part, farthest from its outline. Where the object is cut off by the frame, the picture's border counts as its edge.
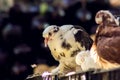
(108, 44)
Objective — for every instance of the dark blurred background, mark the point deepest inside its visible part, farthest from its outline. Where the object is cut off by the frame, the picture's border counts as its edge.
(22, 23)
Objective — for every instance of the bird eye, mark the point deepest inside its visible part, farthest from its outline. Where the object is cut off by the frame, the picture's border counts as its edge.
(50, 34)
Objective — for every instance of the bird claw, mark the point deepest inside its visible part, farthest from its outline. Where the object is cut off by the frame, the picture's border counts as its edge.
(70, 73)
(55, 71)
(46, 76)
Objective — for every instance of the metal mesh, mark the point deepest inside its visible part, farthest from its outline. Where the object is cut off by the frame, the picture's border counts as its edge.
(113, 74)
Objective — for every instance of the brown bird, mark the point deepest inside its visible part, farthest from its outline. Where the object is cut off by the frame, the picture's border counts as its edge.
(107, 40)
(105, 51)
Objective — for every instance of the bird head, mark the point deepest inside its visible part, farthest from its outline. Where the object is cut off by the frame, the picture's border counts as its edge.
(49, 33)
(105, 16)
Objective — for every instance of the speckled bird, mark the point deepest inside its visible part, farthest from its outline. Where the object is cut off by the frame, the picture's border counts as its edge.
(64, 43)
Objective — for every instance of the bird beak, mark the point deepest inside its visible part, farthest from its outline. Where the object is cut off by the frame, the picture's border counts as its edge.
(46, 41)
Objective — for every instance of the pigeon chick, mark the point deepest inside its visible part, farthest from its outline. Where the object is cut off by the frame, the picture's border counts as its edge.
(64, 43)
(107, 40)
(105, 51)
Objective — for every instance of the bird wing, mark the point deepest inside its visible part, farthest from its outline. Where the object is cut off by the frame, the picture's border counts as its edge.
(82, 37)
(108, 44)
(75, 40)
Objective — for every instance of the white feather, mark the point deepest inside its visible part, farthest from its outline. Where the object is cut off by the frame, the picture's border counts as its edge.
(86, 61)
